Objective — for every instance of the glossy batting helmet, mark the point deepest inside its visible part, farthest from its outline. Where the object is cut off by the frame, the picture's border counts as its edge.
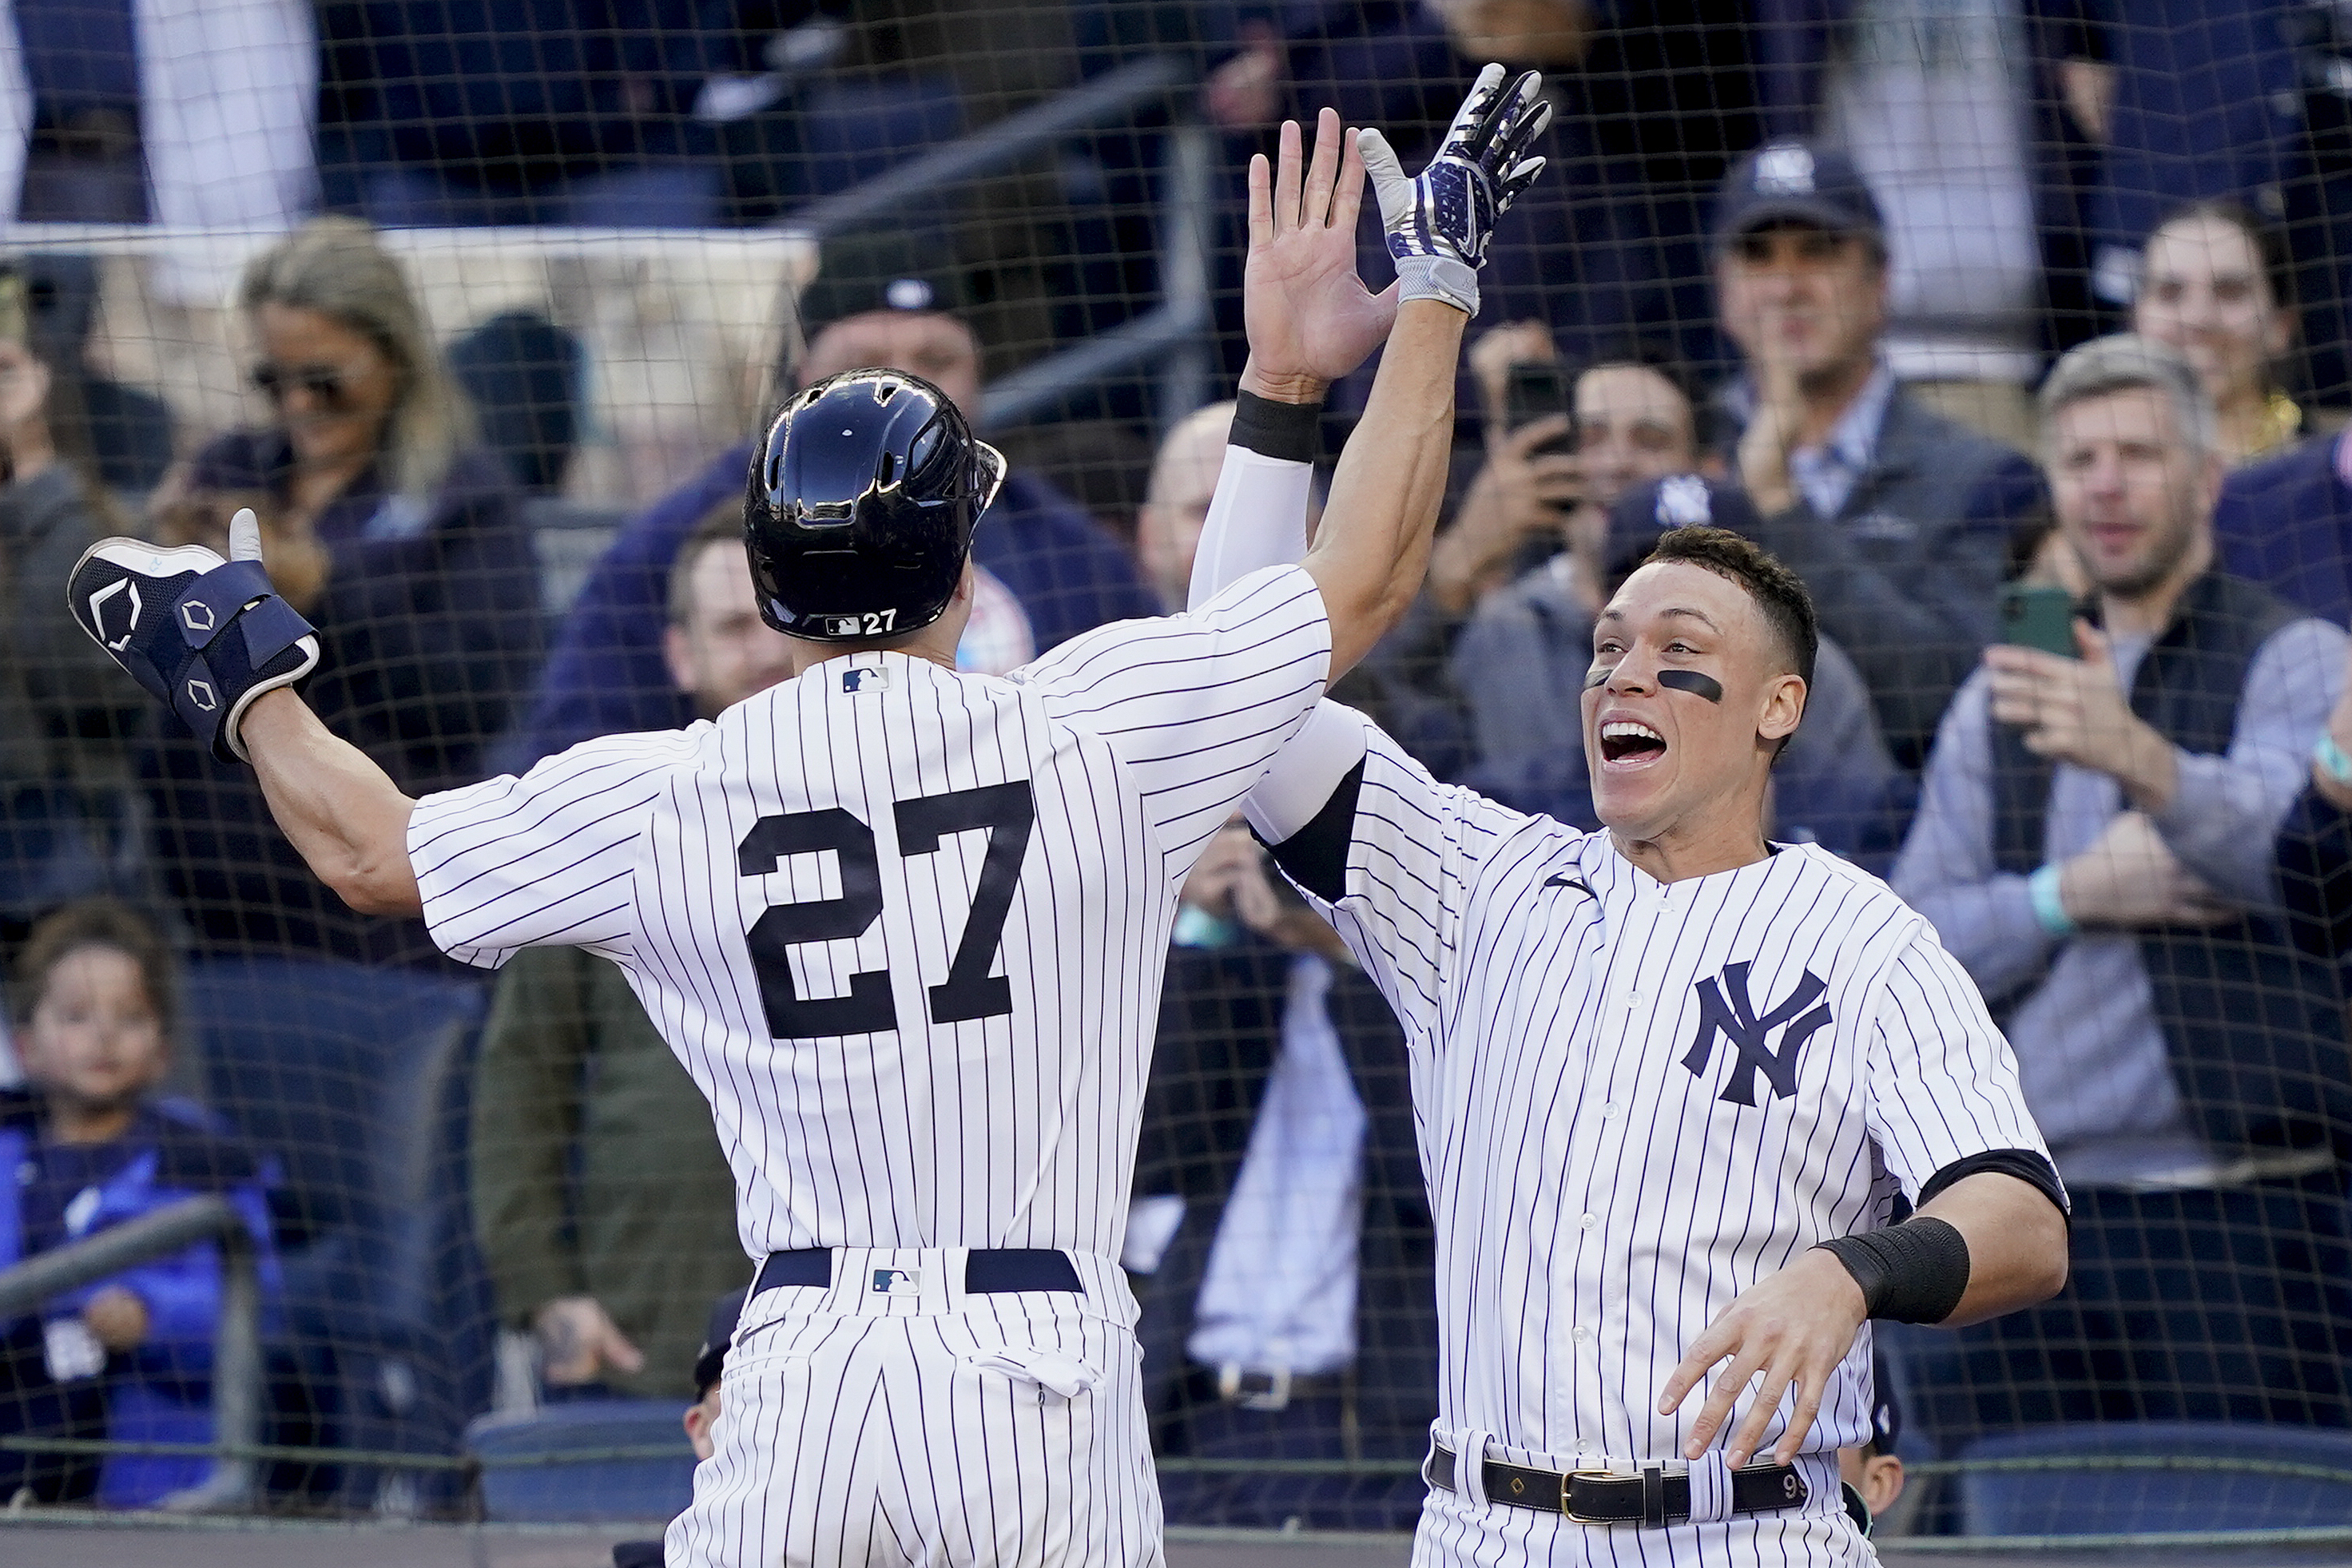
(861, 505)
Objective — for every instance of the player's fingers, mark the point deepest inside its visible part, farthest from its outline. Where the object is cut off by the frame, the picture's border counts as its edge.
(1286, 179)
(1810, 1389)
(1751, 1430)
(1261, 202)
(1709, 1348)
(1322, 170)
(1729, 1385)
(244, 536)
(1347, 197)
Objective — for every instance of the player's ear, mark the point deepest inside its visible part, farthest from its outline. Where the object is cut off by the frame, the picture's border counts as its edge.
(1783, 708)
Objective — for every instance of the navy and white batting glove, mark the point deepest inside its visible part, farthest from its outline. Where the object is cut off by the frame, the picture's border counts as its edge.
(205, 637)
(1439, 222)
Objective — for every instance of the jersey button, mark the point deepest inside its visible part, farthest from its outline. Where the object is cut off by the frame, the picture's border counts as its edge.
(1607, 1110)
(1580, 1333)
(1589, 1222)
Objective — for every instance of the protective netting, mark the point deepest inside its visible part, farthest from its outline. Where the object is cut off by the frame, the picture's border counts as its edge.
(607, 236)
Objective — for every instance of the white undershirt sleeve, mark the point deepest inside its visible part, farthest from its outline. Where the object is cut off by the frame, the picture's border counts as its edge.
(1257, 518)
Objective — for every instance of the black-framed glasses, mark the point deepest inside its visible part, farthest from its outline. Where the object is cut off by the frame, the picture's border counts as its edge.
(327, 383)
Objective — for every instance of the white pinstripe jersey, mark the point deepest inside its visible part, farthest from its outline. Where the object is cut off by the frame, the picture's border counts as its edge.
(1634, 1098)
(906, 927)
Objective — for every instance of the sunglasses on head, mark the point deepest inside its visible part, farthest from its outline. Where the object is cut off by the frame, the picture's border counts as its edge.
(324, 383)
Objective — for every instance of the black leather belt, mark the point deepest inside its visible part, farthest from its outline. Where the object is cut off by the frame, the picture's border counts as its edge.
(1596, 1497)
(987, 1270)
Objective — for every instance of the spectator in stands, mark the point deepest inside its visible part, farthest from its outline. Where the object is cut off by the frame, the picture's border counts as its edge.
(701, 1417)
(2314, 849)
(1933, 102)
(2095, 845)
(1064, 573)
(65, 825)
(191, 116)
(1176, 502)
(396, 534)
(601, 1199)
(1897, 519)
(1281, 1226)
(2244, 100)
(1872, 1475)
(89, 1148)
(531, 111)
(1520, 661)
(2216, 284)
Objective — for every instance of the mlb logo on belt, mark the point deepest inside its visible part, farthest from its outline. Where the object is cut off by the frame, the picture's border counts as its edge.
(898, 1281)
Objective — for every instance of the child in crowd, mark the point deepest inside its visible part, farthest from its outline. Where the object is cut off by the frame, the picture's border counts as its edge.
(90, 1146)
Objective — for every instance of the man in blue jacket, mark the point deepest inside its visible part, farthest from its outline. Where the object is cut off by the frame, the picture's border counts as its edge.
(2286, 523)
(607, 676)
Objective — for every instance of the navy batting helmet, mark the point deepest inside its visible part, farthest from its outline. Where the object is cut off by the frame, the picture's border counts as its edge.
(861, 505)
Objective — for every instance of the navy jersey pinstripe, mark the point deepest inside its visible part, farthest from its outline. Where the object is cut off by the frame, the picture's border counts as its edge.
(1601, 1192)
(1012, 1128)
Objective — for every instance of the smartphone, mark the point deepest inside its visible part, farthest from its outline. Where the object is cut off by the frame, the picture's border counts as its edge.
(2037, 615)
(1534, 390)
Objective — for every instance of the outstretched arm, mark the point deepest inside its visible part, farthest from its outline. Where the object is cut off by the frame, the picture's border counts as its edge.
(1308, 316)
(343, 814)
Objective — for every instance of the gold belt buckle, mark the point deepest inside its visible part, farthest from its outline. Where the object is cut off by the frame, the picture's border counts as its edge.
(1568, 1480)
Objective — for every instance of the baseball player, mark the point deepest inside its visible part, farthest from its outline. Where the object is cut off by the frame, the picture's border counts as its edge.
(906, 927)
(1676, 1086)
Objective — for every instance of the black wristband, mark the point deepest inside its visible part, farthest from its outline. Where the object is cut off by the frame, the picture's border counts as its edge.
(1291, 432)
(1915, 1272)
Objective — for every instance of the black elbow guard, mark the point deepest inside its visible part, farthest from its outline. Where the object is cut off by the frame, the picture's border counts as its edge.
(1915, 1272)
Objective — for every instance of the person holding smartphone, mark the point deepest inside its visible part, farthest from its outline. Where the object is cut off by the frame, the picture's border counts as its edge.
(2095, 845)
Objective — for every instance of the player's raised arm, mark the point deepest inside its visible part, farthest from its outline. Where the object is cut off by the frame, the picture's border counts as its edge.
(212, 640)
(1308, 316)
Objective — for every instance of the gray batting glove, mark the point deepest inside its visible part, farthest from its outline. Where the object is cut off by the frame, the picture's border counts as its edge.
(1440, 222)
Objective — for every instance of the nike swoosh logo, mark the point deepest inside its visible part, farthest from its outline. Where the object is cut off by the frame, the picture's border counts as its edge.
(1562, 879)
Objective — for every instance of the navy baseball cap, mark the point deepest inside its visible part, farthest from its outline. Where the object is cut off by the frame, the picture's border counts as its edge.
(1795, 182)
(1886, 1414)
(711, 1359)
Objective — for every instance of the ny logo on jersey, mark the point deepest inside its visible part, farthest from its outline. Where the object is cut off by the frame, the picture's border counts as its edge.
(1725, 1008)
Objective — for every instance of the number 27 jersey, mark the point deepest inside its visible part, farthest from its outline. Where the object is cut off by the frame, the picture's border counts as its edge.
(906, 927)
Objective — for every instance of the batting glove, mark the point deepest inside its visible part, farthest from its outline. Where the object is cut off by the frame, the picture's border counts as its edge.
(205, 637)
(1438, 223)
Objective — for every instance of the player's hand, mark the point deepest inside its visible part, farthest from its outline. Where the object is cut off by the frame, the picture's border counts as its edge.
(1310, 319)
(1439, 222)
(2128, 879)
(577, 1340)
(1793, 1328)
(2074, 710)
(116, 1318)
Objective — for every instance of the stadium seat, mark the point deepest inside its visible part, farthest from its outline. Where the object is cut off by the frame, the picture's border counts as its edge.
(654, 1487)
(353, 1078)
(2072, 1502)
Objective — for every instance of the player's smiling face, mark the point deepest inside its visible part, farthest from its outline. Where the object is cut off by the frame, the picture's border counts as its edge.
(1687, 696)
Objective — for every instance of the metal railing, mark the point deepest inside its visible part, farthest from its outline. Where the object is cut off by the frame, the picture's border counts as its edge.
(236, 1377)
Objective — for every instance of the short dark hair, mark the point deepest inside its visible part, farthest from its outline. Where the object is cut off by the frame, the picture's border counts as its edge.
(1779, 593)
(1659, 359)
(94, 923)
(723, 524)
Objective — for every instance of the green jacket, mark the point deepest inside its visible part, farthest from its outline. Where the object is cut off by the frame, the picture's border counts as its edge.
(595, 1168)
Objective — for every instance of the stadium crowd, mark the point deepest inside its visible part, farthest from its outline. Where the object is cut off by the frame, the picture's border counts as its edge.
(1851, 278)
